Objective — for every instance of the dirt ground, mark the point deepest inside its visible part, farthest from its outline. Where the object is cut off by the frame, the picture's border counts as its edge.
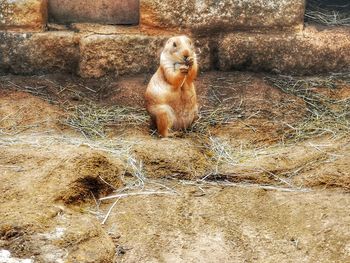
(263, 176)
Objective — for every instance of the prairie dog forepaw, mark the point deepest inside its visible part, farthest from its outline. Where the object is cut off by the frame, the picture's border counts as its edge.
(189, 62)
(184, 69)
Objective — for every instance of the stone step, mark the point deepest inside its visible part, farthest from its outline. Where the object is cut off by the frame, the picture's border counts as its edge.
(102, 11)
(223, 15)
(131, 50)
(194, 16)
(23, 15)
(310, 51)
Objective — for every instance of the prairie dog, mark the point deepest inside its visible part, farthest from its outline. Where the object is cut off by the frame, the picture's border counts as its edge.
(171, 98)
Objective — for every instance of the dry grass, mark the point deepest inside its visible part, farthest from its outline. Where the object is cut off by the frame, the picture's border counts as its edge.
(330, 16)
(325, 115)
(331, 180)
(211, 117)
(220, 110)
(92, 120)
(242, 159)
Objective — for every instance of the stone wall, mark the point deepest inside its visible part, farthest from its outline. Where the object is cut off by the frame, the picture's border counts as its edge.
(193, 15)
(307, 52)
(23, 15)
(212, 15)
(35, 53)
(94, 11)
(259, 35)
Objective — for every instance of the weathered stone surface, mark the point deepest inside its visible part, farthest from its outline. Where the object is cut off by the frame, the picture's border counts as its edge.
(310, 51)
(33, 53)
(23, 15)
(92, 56)
(119, 54)
(102, 11)
(204, 50)
(126, 54)
(134, 51)
(203, 15)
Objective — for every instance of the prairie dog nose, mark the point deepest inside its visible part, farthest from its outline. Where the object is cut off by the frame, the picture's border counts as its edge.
(186, 54)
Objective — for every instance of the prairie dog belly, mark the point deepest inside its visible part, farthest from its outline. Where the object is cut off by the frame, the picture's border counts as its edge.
(184, 119)
(185, 109)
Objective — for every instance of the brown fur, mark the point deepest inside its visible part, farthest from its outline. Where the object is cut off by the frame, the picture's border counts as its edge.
(171, 98)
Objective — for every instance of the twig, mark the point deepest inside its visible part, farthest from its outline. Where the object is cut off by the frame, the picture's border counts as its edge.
(109, 211)
(107, 183)
(267, 187)
(135, 194)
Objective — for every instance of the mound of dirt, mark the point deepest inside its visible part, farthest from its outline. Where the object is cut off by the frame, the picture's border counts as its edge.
(49, 180)
(323, 161)
(172, 157)
(34, 223)
(333, 172)
(90, 175)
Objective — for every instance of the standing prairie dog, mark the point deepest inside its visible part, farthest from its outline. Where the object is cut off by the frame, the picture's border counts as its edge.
(171, 96)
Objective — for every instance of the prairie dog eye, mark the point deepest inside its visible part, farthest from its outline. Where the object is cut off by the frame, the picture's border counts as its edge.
(174, 44)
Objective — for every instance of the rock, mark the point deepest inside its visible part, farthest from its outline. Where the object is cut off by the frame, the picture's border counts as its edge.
(122, 52)
(23, 15)
(223, 15)
(35, 53)
(119, 54)
(127, 54)
(204, 50)
(132, 51)
(310, 51)
(103, 11)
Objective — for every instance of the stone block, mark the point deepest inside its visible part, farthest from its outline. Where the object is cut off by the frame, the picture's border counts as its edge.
(308, 52)
(224, 15)
(23, 15)
(35, 53)
(127, 54)
(102, 11)
(119, 54)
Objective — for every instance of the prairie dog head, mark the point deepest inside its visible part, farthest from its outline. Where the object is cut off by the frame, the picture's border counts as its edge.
(178, 50)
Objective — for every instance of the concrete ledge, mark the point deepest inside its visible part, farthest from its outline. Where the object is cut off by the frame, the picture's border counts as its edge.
(307, 52)
(33, 53)
(223, 15)
(23, 15)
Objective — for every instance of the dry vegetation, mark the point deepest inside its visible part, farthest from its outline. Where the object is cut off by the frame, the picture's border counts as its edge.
(326, 115)
(331, 15)
(256, 132)
(91, 120)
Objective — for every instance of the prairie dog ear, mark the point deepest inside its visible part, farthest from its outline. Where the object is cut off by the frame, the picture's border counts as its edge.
(161, 48)
(190, 41)
(167, 45)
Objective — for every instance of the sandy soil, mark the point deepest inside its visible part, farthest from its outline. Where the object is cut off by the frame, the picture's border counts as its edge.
(239, 192)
